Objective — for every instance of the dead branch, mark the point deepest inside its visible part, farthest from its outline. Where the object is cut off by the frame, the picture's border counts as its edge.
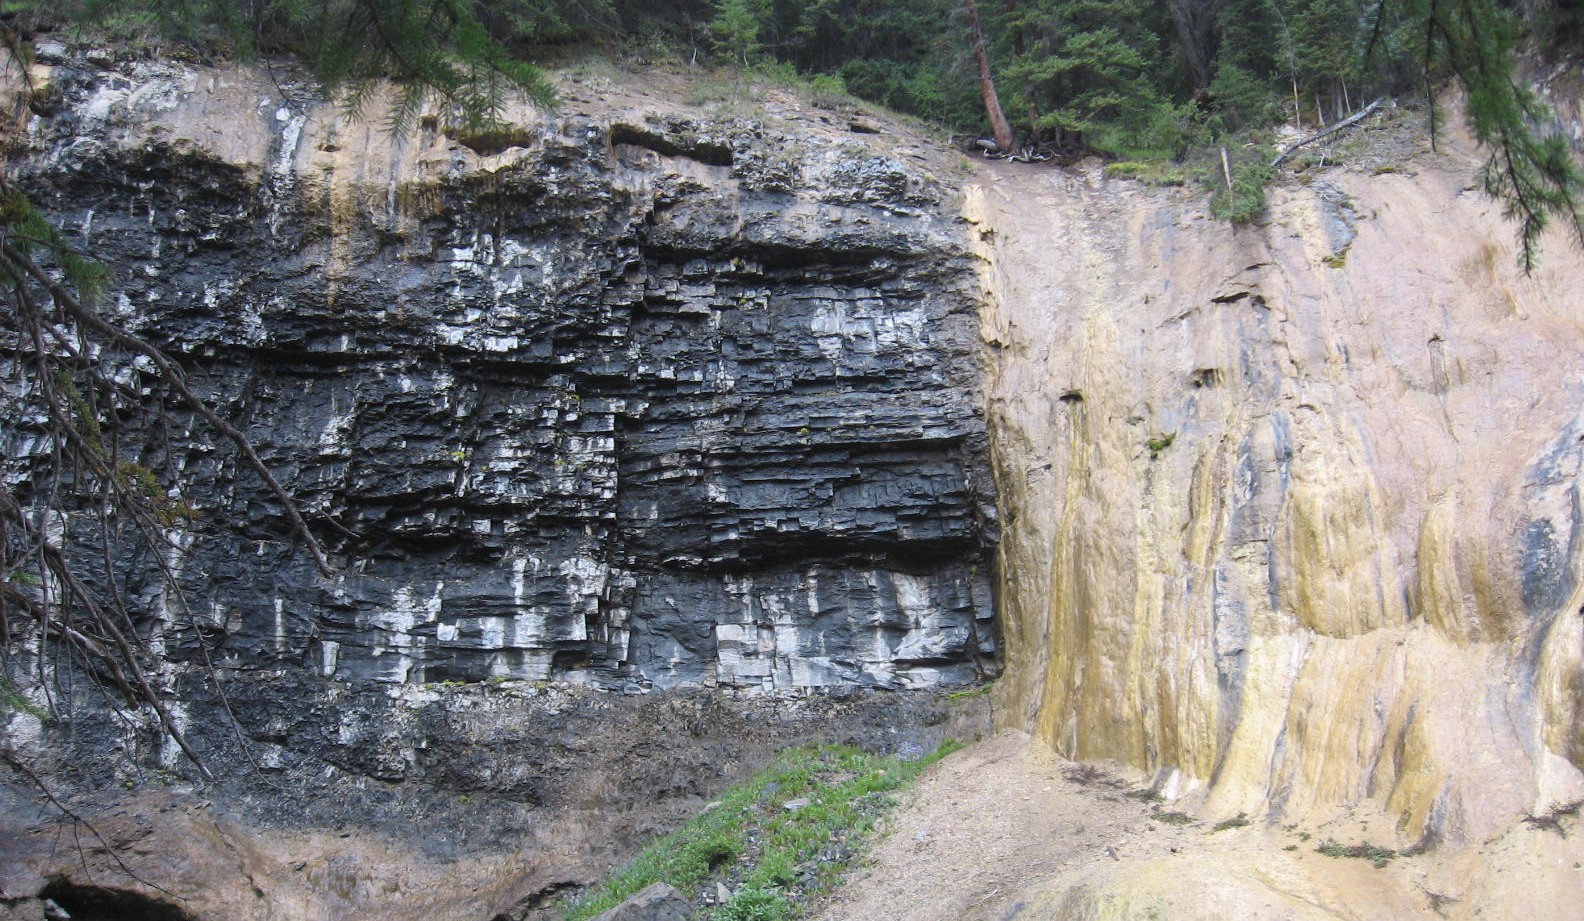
(19, 265)
(1351, 120)
(10, 759)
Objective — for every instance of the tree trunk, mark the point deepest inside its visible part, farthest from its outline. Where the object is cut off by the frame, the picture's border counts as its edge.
(998, 120)
(1196, 37)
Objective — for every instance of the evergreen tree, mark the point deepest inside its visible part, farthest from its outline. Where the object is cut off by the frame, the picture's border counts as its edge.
(1083, 65)
(735, 28)
(1198, 32)
(1531, 171)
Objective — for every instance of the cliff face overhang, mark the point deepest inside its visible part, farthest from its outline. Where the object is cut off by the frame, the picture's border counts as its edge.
(1297, 502)
(631, 397)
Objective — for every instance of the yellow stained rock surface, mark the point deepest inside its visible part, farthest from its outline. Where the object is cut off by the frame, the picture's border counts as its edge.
(1290, 511)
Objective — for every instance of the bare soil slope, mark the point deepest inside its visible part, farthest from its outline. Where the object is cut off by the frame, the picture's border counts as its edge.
(1006, 830)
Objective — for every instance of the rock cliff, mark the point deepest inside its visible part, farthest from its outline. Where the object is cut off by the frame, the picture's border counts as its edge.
(1291, 509)
(634, 397)
(646, 440)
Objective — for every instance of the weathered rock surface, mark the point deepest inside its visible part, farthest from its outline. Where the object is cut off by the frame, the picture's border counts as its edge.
(630, 399)
(655, 903)
(631, 396)
(353, 801)
(1297, 503)
(636, 399)
(1008, 831)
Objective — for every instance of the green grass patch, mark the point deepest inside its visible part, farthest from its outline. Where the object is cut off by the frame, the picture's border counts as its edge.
(721, 94)
(777, 840)
(971, 693)
(1174, 818)
(1379, 856)
(1237, 821)
(1149, 172)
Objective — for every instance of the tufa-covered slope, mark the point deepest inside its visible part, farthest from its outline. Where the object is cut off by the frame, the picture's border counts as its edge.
(1291, 510)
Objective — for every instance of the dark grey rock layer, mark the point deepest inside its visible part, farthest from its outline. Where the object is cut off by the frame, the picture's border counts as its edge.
(642, 401)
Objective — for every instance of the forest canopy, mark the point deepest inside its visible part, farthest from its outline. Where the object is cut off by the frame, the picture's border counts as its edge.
(1118, 75)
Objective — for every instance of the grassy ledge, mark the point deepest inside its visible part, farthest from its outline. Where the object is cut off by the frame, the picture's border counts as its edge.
(775, 842)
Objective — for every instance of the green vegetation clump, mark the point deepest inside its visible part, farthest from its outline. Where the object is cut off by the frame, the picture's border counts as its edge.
(1153, 82)
(754, 905)
(12, 699)
(1160, 443)
(1237, 821)
(971, 693)
(829, 91)
(1379, 856)
(1160, 173)
(1243, 202)
(1174, 818)
(777, 840)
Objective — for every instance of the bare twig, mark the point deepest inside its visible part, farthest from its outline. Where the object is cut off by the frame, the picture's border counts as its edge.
(11, 760)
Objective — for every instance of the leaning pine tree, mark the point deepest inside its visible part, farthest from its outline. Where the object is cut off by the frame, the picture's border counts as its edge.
(1000, 128)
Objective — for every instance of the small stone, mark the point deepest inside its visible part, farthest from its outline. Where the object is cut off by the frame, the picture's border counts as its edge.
(658, 902)
(49, 52)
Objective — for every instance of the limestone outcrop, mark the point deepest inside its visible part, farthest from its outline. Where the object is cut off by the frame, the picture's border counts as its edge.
(630, 396)
(1296, 503)
(633, 398)
(645, 441)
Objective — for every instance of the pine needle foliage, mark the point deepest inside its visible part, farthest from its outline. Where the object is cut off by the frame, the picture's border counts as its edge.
(1529, 168)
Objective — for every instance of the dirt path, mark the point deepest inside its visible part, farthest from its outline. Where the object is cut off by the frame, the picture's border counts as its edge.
(990, 820)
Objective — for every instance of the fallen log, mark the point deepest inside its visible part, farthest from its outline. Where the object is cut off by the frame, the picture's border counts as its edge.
(1353, 119)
